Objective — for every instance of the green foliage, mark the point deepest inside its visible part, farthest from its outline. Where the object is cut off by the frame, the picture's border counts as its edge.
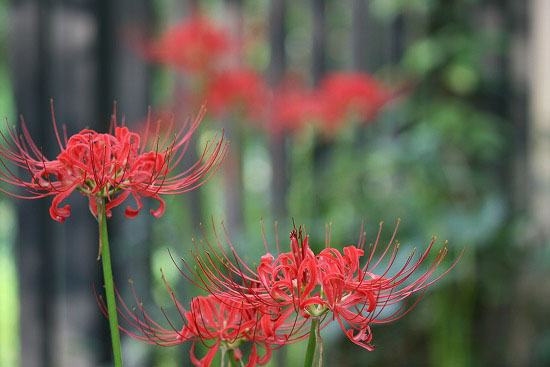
(9, 302)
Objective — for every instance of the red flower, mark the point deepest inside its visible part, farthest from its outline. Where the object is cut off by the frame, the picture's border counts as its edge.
(272, 305)
(194, 45)
(113, 166)
(351, 93)
(358, 296)
(293, 107)
(292, 277)
(214, 321)
(307, 285)
(240, 90)
(339, 97)
(213, 318)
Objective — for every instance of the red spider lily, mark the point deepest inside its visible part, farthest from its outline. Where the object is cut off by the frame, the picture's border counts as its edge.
(113, 166)
(212, 318)
(194, 45)
(214, 321)
(228, 277)
(293, 107)
(241, 90)
(292, 276)
(351, 93)
(357, 295)
(310, 285)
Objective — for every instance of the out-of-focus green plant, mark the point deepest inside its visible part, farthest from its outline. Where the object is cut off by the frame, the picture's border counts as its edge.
(9, 302)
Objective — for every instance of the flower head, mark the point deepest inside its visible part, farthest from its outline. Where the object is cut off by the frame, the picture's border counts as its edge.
(110, 165)
(213, 321)
(339, 97)
(194, 45)
(240, 90)
(351, 93)
(293, 106)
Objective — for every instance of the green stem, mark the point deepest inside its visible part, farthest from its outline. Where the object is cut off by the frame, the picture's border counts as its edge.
(108, 278)
(231, 357)
(312, 342)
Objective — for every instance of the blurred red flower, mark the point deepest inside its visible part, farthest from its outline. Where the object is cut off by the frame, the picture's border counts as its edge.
(113, 166)
(194, 45)
(292, 107)
(237, 90)
(351, 94)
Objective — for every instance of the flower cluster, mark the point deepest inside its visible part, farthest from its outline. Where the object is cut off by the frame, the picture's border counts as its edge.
(201, 50)
(213, 321)
(241, 90)
(340, 97)
(112, 166)
(194, 45)
(276, 302)
(293, 106)
(352, 93)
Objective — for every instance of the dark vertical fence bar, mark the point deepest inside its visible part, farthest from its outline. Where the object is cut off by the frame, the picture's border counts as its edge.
(358, 32)
(318, 57)
(182, 109)
(278, 142)
(397, 35)
(232, 167)
(318, 69)
(35, 233)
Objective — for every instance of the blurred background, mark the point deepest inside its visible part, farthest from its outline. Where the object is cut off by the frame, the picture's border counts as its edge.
(449, 130)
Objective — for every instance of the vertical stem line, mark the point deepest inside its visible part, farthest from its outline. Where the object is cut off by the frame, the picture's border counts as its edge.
(312, 342)
(108, 278)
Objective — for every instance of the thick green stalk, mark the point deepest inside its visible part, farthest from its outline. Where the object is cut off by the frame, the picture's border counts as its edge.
(108, 277)
(231, 357)
(312, 347)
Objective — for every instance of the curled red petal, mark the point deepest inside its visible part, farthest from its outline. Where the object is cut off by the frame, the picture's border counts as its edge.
(57, 213)
(132, 213)
(162, 206)
(362, 338)
(117, 201)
